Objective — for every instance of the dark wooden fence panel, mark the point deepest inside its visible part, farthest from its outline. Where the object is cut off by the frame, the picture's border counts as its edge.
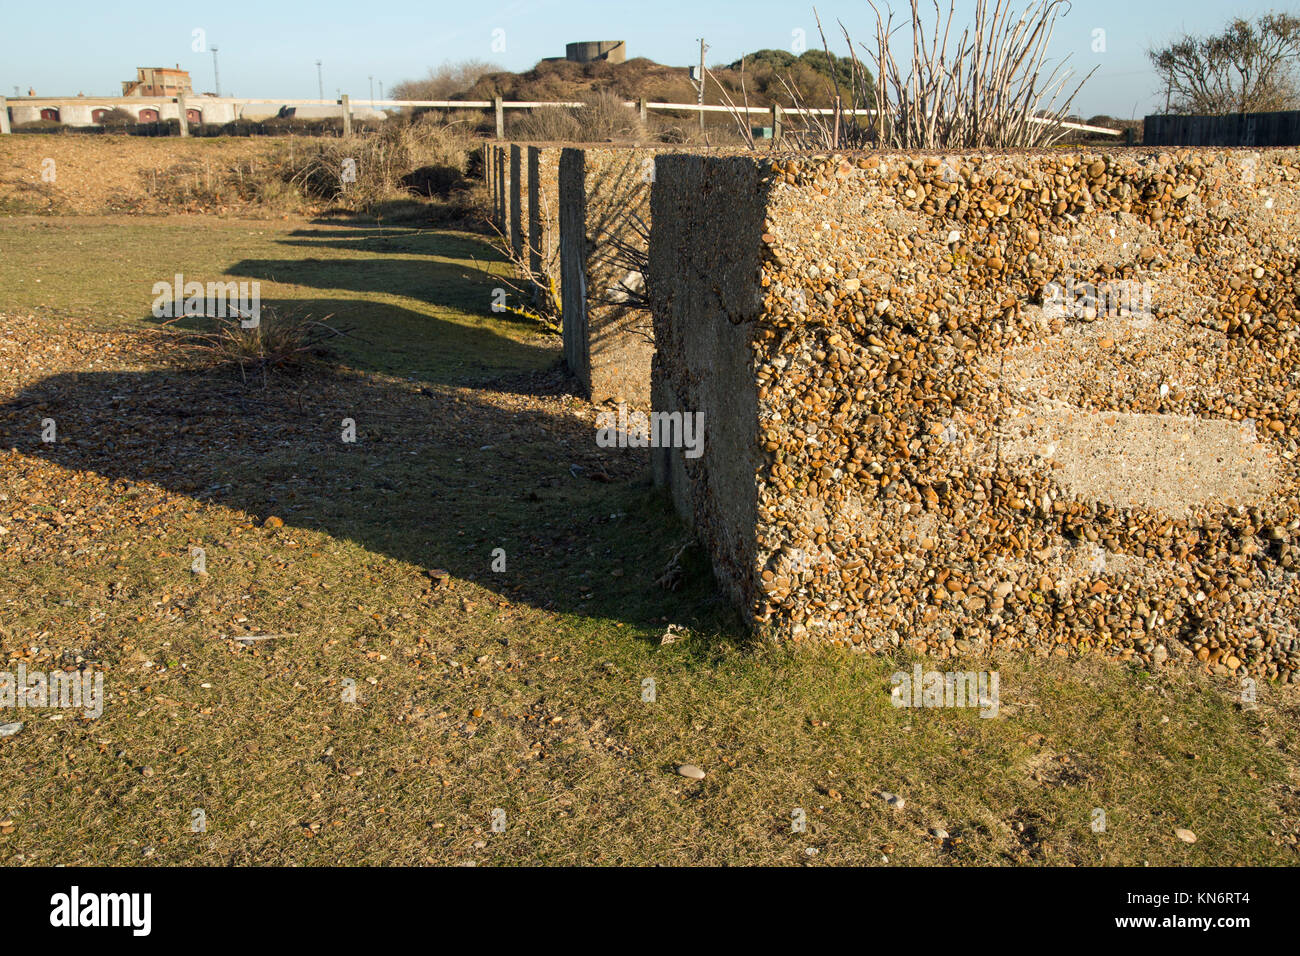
(1234, 129)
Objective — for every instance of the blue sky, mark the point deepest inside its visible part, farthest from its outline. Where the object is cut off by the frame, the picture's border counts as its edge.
(270, 48)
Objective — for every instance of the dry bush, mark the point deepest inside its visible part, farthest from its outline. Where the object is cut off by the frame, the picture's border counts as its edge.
(547, 124)
(385, 163)
(992, 90)
(204, 183)
(442, 82)
(675, 131)
(277, 344)
(605, 116)
(117, 118)
(1248, 68)
(602, 117)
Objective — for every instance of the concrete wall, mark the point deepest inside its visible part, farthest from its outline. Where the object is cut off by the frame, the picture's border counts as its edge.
(78, 110)
(907, 439)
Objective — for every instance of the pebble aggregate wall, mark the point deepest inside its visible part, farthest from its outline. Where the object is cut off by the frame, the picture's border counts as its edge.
(907, 443)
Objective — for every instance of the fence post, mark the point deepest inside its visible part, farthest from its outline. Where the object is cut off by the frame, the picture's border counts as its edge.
(185, 120)
(347, 116)
(776, 124)
(499, 110)
(4, 115)
(641, 106)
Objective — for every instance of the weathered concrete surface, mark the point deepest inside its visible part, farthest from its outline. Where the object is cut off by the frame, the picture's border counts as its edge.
(903, 444)
(608, 339)
(1172, 463)
(544, 220)
(501, 209)
(704, 362)
(518, 204)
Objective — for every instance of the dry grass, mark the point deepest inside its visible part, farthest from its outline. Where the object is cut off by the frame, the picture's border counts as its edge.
(428, 157)
(256, 346)
(361, 173)
(603, 118)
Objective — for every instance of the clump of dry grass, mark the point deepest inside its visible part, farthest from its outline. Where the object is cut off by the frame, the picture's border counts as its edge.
(271, 343)
(363, 172)
(602, 117)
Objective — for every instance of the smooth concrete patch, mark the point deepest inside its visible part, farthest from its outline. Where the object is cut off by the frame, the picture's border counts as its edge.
(1171, 463)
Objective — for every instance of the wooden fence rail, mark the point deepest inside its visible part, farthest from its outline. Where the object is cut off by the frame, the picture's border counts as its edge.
(346, 105)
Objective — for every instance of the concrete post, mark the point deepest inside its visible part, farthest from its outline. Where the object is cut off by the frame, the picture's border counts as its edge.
(535, 225)
(4, 116)
(517, 198)
(641, 106)
(185, 120)
(500, 112)
(347, 116)
(776, 124)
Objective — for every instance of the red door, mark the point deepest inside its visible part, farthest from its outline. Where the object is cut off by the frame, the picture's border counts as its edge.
(148, 116)
(194, 117)
(50, 113)
(97, 116)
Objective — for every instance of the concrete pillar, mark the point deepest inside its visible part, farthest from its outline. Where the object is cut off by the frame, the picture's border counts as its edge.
(500, 112)
(4, 116)
(641, 107)
(608, 339)
(503, 187)
(776, 124)
(347, 116)
(517, 199)
(535, 225)
(185, 120)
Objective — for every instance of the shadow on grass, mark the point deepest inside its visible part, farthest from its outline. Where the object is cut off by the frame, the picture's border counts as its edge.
(388, 337)
(437, 477)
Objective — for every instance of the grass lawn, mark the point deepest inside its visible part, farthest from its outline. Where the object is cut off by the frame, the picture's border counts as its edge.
(520, 690)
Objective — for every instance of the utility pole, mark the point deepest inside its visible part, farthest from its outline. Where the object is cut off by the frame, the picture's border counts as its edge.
(216, 76)
(703, 47)
(320, 80)
(372, 91)
(381, 89)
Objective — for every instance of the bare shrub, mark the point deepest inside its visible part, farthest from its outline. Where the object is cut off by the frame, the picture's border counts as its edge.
(1248, 68)
(443, 82)
(991, 91)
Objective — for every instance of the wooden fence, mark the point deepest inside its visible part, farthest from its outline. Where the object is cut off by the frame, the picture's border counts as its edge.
(1233, 129)
(498, 106)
